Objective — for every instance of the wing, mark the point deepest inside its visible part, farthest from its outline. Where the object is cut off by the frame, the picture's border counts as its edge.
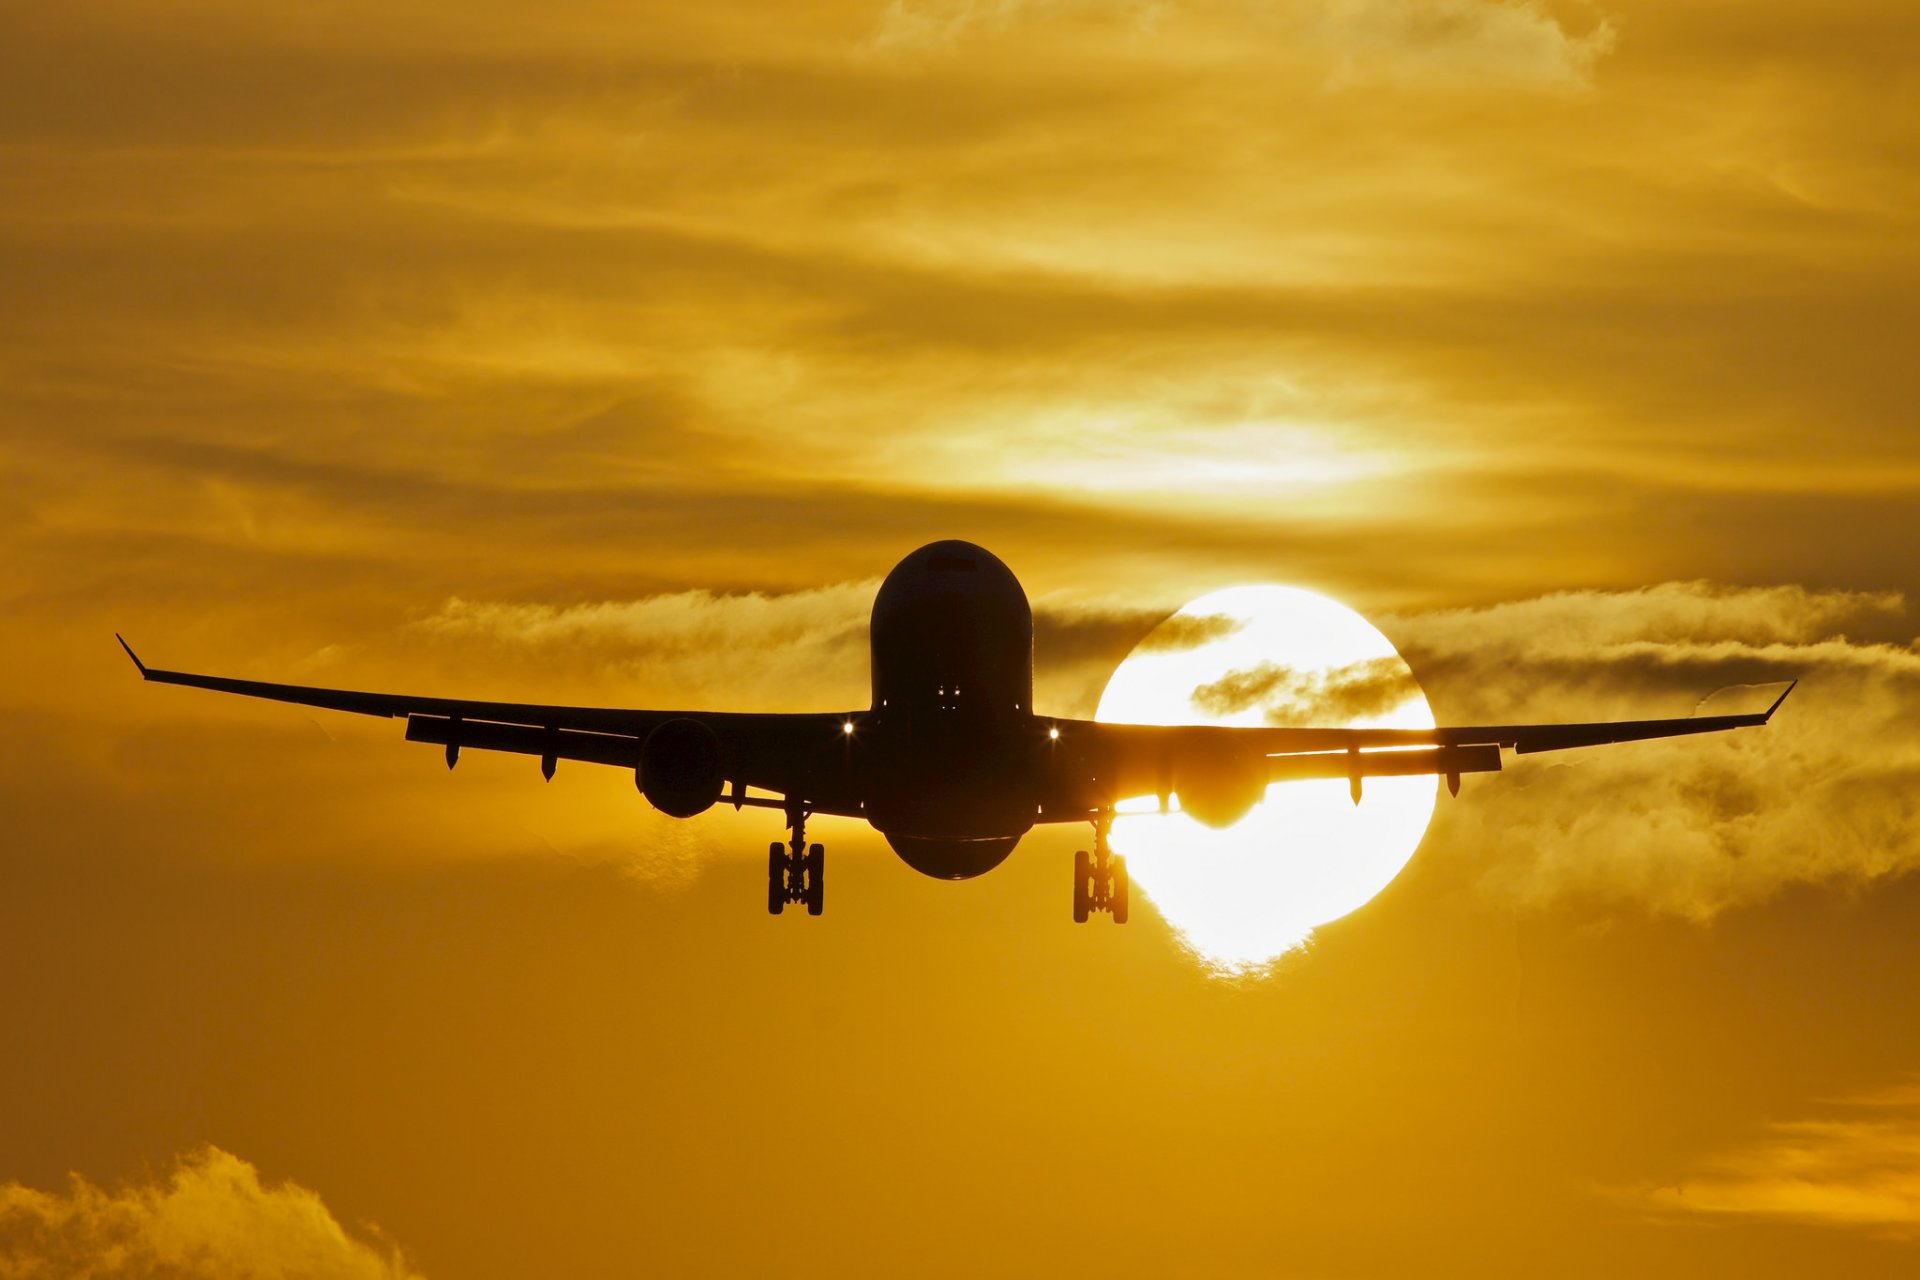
(1139, 760)
(802, 756)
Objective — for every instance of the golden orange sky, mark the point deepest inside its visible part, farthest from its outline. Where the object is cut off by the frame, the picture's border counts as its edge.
(612, 353)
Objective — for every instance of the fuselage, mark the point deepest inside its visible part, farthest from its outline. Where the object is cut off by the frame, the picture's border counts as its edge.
(954, 753)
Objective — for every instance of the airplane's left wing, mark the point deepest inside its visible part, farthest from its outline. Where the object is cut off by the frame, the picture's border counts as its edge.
(795, 755)
(1131, 760)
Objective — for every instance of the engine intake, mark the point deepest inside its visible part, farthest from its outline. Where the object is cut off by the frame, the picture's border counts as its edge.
(680, 771)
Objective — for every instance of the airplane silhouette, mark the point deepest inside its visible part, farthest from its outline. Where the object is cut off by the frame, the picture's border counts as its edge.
(950, 762)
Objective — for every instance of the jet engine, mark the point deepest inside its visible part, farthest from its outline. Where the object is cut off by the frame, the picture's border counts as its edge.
(680, 772)
(1221, 790)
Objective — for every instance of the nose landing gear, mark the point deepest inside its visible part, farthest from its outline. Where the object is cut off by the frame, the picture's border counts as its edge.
(1099, 878)
(796, 871)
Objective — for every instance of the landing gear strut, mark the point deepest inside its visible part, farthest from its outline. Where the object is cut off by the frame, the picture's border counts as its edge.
(1100, 878)
(796, 871)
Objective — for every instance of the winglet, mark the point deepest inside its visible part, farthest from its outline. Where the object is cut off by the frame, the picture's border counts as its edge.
(131, 654)
(1791, 685)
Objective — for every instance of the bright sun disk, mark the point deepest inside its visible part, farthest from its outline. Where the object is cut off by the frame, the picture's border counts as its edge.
(1243, 896)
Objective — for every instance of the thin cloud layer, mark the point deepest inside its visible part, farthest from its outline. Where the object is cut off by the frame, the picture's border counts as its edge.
(353, 292)
(803, 650)
(1360, 40)
(1462, 40)
(210, 1218)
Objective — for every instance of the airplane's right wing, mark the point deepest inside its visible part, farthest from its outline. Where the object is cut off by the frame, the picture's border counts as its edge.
(794, 755)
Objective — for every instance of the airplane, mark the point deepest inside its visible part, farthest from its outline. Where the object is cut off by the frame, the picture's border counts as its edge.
(950, 762)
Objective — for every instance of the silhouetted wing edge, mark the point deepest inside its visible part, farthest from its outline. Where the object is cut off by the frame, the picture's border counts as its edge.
(764, 750)
(1526, 739)
(1522, 738)
(1138, 759)
(592, 719)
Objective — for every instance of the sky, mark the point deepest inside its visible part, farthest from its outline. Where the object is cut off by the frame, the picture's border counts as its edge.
(612, 354)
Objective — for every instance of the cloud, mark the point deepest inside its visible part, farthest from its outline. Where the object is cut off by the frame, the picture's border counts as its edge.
(1514, 40)
(798, 650)
(211, 1218)
(1360, 40)
(1325, 696)
(1668, 613)
(1190, 631)
(1858, 1167)
(921, 25)
(1829, 792)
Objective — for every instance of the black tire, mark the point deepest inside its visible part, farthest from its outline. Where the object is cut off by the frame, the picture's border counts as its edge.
(776, 878)
(1082, 877)
(816, 879)
(1117, 901)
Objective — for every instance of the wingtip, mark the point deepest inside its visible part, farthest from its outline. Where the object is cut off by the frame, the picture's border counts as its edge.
(1791, 686)
(138, 665)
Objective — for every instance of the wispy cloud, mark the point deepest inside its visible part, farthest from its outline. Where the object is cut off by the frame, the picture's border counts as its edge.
(1357, 40)
(1856, 1167)
(1290, 697)
(928, 25)
(801, 650)
(1462, 40)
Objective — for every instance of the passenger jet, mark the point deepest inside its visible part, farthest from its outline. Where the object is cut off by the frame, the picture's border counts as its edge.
(950, 761)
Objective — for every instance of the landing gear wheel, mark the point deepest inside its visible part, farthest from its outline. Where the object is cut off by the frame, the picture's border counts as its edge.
(796, 871)
(776, 877)
(1099, 878)
(816, 894)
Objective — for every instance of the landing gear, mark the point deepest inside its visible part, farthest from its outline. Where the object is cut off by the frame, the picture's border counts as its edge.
(1099, 878)
(776, 878)
(815, 893)
(796, 871)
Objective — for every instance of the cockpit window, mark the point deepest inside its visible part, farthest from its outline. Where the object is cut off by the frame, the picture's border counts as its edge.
(952, 564)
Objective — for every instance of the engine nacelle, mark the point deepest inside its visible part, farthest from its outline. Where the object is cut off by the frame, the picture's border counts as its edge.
(1220, 791)
(680, 772)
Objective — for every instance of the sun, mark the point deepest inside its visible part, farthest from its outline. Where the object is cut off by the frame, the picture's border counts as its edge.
(1244, 896)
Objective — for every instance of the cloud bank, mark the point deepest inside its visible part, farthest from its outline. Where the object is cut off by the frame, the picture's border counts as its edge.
(211, 1218)
(1827, 793)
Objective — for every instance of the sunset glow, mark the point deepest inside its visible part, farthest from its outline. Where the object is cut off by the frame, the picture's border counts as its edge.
(609, 355)
(1242, 896)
